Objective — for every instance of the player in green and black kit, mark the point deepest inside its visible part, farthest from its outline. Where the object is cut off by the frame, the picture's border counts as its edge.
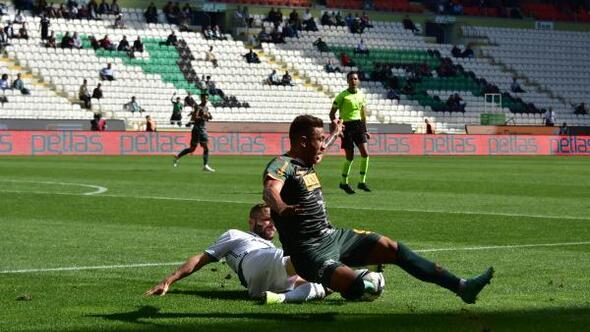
(323, 253)
(199, 136)
(351, 104)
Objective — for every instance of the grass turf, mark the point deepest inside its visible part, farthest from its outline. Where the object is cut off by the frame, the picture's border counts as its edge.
(153, 213)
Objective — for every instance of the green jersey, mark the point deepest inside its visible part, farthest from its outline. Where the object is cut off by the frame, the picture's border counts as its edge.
(301, 187)
(350, 105)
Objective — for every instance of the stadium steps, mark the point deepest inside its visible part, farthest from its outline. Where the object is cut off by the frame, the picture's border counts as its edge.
(35, 79)
(295, 74)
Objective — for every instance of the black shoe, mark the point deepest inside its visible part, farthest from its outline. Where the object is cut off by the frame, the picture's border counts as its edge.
(347, 189)
(363, 186)
(475, 285)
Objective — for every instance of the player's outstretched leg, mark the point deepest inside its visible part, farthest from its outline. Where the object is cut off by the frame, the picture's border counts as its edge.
(428, 271)
(182, 153)
(206, 166)
(303, 293)
(345, 173)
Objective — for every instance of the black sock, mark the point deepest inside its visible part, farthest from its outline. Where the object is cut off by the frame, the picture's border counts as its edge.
(184, 152)
(424, 269)
(205, 157)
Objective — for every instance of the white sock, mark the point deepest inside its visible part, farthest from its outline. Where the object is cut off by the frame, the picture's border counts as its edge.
(306, 292)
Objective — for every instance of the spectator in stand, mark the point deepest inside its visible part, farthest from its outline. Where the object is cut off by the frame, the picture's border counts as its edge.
(19, 18)
(321, 45)
(457, 8)
(91, 10)
(201, 84)
(429, 129)
(239, 19)
(93, 42)
(151, 14)
(22, 32)
(564, 130)
(3, 40)
(365, 21)
(119, 23)
(106, 43)
(107, 73)
(172, 40)
(123, 45)
(409, 24)
(150, 125)
(331, 68)
(51, 42)
(44, 27)
(103, 8)
(361, 48)
(84, 94)
(550, 118)
(456, 52)
(19, 85)
(97, 92)
(345, 60)
(133, 106)
(4, 84)
(325, 19)
(356, 26)
(137, 45)
(273, 78)
(177, 106)
(515, 86)
(189, 101)
(308, 21)
(286, 80)
(115, 9)
(76, 41)
(208, 32)
(212, 88)
(251, 57)
(9, 30)
(409, 89)
(581, 109)
(210, 56)
(468, 53)
(393, 94)
(98, 123)
(67, 41)
(217, 33)
(264, 37)
(455, 103)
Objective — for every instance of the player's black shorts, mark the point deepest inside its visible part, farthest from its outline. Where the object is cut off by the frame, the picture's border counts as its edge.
(176, 116)
(343, 246)
(355, 132)
(198, 135)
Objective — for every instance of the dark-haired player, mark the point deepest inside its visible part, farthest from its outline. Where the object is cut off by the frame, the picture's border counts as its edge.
(199, 116)
(319, 251)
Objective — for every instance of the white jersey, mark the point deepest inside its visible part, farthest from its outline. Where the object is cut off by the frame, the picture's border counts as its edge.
(234, 244)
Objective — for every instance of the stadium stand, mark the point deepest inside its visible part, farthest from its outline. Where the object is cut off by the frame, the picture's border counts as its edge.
(154, 75)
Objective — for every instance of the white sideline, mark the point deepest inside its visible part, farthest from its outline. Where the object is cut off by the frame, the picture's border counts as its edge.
(481, 213)
(126, 266)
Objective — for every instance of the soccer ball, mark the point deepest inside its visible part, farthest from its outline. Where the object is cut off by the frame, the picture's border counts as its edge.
(377, 280)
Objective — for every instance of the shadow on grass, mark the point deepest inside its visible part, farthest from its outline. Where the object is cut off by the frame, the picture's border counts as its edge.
(555, 319)
(214, 294)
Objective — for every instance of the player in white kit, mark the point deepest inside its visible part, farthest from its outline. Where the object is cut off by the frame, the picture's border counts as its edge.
(261, 266)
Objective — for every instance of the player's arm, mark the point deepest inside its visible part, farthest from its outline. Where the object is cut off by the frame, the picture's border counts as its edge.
(192, 264)
(272, 196)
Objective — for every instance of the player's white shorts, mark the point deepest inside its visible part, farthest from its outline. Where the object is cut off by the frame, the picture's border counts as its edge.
(264, 270)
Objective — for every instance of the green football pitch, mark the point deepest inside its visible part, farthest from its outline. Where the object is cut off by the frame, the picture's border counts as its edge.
(81, 239)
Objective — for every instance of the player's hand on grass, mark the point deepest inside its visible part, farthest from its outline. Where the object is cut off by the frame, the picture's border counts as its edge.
(160, 289)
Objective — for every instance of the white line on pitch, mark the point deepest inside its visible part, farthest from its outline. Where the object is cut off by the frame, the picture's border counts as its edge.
(97, 189)
(126, 266)
(481, 213)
